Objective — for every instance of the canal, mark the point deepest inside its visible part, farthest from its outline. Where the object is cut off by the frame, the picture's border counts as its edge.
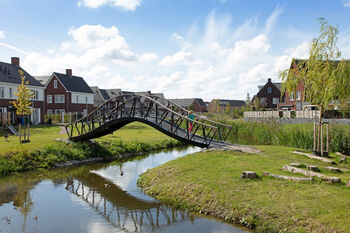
(96, 198)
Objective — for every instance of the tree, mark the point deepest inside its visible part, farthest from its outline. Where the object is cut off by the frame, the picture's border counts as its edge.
(227, 108)
(247, 100)
(191, 107)
(325, 77)
(23, 103)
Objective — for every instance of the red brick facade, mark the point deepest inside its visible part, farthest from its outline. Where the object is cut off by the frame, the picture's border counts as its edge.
(266, 95)
(36, 104)
(68, 106)
(198, 108)
(289, 101)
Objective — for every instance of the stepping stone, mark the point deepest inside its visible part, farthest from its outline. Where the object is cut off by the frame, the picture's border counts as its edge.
(343, 159)
(313, 168)
(332, 180)
(295, 164)
(249, 175)
(334, 169)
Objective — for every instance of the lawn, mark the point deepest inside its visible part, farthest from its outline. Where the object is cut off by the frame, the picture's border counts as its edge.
(41, 136)
(210, 182)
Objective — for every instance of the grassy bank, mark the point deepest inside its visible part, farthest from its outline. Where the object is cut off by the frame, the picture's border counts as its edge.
(44, 151)
(210, 182)
(291, 135)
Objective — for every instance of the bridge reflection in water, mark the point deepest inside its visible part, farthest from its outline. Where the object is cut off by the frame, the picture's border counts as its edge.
(122, 210)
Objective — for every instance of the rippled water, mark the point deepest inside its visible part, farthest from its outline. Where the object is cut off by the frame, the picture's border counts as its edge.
(96, 198)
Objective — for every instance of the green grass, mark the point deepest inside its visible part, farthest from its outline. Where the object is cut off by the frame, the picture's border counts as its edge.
(44, 151)
(210, 182)
(41, 136)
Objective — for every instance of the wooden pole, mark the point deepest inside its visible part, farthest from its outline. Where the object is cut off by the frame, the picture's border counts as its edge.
(315, 141)
(327, 139)
(321, 125)
(318, 139)
(19, 132)
(28, 129)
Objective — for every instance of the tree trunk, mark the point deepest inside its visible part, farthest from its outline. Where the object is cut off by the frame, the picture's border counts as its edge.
(19, 132)
(28, 128)
(315, 141)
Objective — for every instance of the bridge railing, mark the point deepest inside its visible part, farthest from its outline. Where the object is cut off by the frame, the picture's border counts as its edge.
(164, 113)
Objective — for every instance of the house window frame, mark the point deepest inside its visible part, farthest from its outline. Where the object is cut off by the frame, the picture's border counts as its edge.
(298, 96)
(274, 100)
(55, 83)
(291, 97)
(10, 93)
(2, 92)
(49, 99)
(59, 99)
(269, 90)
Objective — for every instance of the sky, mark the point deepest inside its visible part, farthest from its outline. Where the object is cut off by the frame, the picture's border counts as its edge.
(182, 48)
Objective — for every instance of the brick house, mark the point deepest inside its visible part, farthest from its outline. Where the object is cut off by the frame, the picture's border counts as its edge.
(223, 103)
(10, 79)
(66, 93)
(294, 101)
(197, 104)
(268, 95)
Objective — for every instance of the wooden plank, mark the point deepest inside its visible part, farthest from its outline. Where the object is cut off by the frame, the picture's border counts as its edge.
(325, 160)
(311, 173)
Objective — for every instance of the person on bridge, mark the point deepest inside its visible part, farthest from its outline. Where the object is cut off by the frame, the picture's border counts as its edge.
(191, 116)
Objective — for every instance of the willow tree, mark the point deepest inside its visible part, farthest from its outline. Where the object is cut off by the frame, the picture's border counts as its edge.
(22, 104)
(324, 74)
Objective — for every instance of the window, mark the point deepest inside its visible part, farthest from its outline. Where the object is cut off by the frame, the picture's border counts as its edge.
(2, 92)
(59, 99)
(275, 100)
(269, 90)
(291, 97)
(49, 99)
(263, 101)
(77, 99)
(298, 95)
(35, 94)
(49, 112)
(10, 92)
(86, 99)
(54, 83)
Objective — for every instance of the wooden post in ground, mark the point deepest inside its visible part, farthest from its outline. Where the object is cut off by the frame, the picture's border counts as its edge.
(327, 141)
(19, 132)
(318, 139)
(314, 152)
(28, 129)
(321, 128)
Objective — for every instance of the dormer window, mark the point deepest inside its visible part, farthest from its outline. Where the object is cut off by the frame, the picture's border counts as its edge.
(54, 83)
(269, 90)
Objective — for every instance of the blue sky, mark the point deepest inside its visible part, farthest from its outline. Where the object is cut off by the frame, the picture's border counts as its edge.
(184, 48)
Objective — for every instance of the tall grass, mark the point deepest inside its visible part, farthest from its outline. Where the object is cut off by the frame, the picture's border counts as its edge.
(292, 135)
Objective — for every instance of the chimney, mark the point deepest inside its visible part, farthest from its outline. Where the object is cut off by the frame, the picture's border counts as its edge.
(69, 72)
(268, 80)
(15, 61)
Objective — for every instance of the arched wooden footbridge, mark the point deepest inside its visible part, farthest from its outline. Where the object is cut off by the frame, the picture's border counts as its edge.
(160, 113)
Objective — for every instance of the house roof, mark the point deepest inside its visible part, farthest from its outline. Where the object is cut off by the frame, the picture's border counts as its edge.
(183, 102)
(9, 74)
(73, 83)
(278, 85)
(233, 103)
(200, 102)
(42, 79)
(188, 102)
(104, 94)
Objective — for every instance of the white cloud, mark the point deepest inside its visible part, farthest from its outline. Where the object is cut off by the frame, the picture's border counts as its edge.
(346, 3)
(12, 48)
(2, 35)
(218, 62)
(179, 58)
(148, 57)
(128, 5)
(271, 21)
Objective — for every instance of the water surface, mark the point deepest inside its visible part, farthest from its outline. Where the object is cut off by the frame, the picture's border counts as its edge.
(96, 198)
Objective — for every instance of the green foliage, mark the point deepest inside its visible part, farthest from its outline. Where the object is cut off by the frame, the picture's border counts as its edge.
(293, 135)
(210, 182)
(325, 78)
(24, 96)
